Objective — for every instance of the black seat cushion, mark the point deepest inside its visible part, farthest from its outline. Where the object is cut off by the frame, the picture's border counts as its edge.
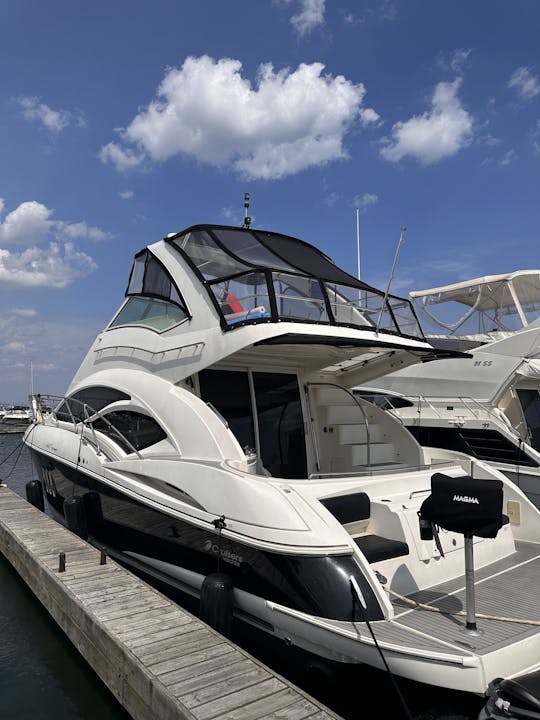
(348, 508)
(377, 548)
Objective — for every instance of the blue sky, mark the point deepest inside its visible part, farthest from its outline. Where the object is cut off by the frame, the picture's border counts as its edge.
(122, 121)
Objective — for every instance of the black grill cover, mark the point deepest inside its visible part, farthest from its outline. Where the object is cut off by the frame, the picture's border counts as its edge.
(465, 505)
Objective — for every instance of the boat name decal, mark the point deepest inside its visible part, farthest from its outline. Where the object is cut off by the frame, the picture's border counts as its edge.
(466, 499)
(226, 555)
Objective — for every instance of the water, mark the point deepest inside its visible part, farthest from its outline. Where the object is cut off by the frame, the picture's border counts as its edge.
(43, 676)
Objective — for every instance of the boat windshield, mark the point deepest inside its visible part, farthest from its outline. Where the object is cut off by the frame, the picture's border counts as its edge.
(260, 276)
(494, 305)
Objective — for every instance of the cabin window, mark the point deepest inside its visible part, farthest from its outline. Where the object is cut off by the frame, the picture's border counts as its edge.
(95, 398)
(139, 430)
(530, 403)
(264, 412)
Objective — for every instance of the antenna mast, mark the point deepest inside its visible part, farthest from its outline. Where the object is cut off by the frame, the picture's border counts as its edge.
(385, 301)
(247, 219)
(358, 239)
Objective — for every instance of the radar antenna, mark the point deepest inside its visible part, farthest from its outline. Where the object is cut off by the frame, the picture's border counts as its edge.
(247, 219)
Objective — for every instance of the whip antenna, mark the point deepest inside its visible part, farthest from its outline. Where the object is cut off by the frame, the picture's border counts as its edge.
(247, 219)
(385, 301)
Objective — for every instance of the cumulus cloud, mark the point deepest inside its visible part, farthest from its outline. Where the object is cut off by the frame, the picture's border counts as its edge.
(434, 135)
(311, 15)
(126, 194)
(30, 223)
(53, 120)
(289, 121)
(524, 83)
(58, 264)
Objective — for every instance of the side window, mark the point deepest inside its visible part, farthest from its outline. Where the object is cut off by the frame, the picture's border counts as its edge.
(96, 398)
(153, 298)
(139, 430)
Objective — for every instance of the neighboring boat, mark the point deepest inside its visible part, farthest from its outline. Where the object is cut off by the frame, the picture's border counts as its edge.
(211, 428)
(16, 416)
(487, 406)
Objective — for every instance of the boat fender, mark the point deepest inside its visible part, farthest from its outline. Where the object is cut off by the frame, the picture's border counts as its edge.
(75, 515)
(216, 603)
(34, 494)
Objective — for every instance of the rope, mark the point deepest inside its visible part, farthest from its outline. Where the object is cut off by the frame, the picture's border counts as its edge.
(461, 613)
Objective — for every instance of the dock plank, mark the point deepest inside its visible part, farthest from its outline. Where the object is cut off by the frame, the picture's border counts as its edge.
(157, 659)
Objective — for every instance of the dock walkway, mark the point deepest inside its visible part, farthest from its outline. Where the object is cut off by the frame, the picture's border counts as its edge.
(159, 661)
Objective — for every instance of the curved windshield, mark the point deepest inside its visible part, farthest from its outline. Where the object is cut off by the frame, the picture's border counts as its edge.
(257, 276)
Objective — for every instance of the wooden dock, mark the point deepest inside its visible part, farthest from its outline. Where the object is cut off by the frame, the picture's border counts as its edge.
(158, 660)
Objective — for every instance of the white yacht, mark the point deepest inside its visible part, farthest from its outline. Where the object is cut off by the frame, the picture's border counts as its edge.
(212, 428)
(487, 406)
(16, 416)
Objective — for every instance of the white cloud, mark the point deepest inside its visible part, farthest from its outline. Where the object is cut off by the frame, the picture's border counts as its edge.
(364, 201)
(30, 223)
(368, 116)
(126, 195)
(56, 266)
(508, 157)
(311, 15)
(24, 312)
(2, 203)
(80, 230)
(525, 84)
(122, 159)
(290, 121)
(53, 120)
(434, 135)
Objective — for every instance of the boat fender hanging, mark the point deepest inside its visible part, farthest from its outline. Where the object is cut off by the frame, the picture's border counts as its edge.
(34, 494)
(75, 515)
(216, 602)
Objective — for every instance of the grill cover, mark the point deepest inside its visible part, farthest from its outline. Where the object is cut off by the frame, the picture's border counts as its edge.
(465, 505)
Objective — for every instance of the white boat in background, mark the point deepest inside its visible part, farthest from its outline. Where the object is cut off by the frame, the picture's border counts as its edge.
(486, 406)
(16, 416)
(211, 428)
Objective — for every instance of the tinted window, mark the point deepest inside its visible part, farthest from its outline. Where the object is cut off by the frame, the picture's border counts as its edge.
(281, 426)
(95, 398)
(139, 430)
(229, 393)
(530, 402)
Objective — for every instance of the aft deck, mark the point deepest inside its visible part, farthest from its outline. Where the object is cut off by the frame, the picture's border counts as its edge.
(507, 590)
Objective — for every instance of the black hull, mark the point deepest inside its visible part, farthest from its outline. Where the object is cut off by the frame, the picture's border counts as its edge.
(125, 526)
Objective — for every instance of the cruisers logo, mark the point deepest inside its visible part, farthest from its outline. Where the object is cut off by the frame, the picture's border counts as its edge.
(226, 555)
(466, 499)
